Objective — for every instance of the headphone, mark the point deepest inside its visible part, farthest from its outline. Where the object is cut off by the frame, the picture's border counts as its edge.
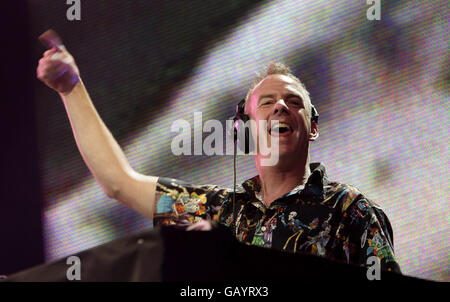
(242, 137)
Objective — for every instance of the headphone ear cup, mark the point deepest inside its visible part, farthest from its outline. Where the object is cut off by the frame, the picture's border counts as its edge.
(243, 137)
(243, 133)
(247, 140)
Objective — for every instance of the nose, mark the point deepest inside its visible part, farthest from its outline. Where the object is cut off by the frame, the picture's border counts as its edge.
(280, 106)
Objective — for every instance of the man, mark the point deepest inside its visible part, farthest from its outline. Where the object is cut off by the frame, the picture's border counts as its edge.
(289, 206)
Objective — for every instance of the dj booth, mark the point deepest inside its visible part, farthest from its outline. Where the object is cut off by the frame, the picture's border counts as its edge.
(172, 254)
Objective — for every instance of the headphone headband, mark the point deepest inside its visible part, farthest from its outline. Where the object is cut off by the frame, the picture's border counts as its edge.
(314, 114)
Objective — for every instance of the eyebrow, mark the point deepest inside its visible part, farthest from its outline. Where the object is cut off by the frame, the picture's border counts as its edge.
(266, 96)
(293, 95)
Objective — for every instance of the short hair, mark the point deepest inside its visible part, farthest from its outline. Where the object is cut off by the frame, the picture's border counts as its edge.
(282, 69)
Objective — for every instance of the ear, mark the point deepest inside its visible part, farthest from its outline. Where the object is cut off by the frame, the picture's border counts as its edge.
(247, 107)
(314, 133)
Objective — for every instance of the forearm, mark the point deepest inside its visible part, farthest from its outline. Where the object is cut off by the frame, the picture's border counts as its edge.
(100, 151)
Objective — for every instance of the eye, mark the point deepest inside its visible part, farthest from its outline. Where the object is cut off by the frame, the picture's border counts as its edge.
(266, 102)
(294, 101)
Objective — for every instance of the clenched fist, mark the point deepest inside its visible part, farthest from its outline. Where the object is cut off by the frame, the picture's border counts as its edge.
(57, 70)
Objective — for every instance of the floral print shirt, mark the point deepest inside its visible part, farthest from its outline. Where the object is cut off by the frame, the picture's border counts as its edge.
(322, 217)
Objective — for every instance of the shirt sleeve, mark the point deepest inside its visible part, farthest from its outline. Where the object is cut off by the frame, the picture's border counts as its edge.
(181, 204)
(369, 233)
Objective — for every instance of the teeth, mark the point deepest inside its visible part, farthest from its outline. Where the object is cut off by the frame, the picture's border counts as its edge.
(281, 126)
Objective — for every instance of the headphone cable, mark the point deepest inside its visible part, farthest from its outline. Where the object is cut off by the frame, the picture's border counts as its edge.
(233, 223)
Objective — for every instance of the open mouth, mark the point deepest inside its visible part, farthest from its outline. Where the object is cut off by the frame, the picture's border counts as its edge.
(280, 129)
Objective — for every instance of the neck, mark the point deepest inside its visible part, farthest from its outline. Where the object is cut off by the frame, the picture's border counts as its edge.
(280, 179)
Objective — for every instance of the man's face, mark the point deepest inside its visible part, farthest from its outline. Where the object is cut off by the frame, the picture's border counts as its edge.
(277, 97)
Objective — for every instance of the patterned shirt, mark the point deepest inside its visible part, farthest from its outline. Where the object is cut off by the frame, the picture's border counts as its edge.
(322, 217)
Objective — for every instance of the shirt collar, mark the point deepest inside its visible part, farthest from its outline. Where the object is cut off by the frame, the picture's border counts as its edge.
(312, 189)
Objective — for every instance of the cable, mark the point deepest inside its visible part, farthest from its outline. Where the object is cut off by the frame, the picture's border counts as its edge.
(234, 181)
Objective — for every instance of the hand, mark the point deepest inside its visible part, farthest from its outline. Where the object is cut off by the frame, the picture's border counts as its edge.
(57, 70)
(202, 225)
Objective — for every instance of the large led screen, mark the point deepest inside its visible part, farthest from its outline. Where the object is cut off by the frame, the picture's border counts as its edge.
(380, 86)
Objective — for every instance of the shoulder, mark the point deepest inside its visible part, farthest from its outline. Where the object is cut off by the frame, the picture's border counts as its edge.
(166, 184)
(180, 200)
(357, 205)
(170, 191)
(349, 196)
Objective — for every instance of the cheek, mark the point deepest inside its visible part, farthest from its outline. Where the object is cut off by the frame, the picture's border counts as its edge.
(303, 122)
(260, 119)
(250, 107)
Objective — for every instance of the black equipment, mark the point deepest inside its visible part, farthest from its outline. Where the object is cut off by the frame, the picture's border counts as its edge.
(173, 254)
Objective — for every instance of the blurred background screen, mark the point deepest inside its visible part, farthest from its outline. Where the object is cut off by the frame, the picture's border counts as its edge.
(380, 86)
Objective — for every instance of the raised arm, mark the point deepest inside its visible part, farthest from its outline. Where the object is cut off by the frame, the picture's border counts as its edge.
(100, 151)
